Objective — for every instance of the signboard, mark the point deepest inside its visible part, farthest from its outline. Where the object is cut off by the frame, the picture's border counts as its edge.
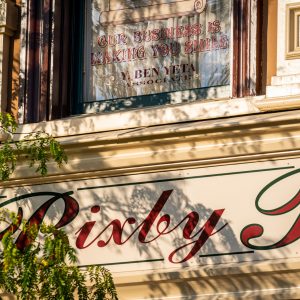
(192, 217)
(151, 47)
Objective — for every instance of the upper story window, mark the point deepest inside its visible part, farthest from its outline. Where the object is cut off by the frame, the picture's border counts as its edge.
(87, 56)
(156, 52)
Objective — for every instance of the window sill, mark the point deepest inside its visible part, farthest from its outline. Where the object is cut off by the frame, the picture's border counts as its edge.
(196, 111)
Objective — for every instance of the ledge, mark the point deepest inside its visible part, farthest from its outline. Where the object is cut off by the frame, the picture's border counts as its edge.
(92, 123)
(275, 104)
(165, 115)
(232, 269)
(171, 146)
(255, 280)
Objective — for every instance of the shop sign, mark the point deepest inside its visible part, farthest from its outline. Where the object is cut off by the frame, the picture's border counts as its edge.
(145, 47)
(244, 212)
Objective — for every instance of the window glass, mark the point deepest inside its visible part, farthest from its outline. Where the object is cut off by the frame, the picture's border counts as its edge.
(144, 52)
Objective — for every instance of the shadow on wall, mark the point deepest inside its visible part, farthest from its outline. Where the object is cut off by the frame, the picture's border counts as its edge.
(138, 202)
(207, 275)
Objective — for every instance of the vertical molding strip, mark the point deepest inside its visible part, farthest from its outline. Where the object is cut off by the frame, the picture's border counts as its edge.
(36, 43)
(246, 48)
(45, 60)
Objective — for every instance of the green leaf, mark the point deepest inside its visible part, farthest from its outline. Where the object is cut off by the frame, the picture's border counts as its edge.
(39, 148)
(47, 268)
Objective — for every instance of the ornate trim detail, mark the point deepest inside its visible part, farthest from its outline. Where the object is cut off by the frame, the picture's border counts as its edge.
(200, 5)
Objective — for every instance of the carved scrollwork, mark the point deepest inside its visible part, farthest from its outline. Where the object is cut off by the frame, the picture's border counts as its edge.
(200, 6)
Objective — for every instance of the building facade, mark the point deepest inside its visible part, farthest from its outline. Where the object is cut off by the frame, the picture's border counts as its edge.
(180, 120)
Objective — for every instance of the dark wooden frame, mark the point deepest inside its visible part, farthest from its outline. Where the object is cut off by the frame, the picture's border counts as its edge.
(38, 68)
(52, 87)
(60, 105)
(243, 34)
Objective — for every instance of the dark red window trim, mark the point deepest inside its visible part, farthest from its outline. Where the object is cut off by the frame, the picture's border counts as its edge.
(241, 77)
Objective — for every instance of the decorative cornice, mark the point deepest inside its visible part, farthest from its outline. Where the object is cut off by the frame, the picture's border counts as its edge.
(280, 103)
(166, 147)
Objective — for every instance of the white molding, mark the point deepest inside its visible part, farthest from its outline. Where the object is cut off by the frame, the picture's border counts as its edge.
(275, 293)
(173, 146)
(248, 280)
(158, 116)
(138, 118)
(279, 103)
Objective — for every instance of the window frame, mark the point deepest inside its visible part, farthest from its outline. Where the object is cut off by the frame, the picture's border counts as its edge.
(293, 31)
(51, 90)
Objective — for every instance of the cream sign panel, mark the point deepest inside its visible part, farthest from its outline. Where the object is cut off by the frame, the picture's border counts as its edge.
(149, 47)
(244, 212)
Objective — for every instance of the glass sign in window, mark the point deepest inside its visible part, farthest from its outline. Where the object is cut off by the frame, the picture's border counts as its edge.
(144, 47)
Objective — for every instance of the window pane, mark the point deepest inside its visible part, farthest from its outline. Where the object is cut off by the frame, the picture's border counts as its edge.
(151, 47)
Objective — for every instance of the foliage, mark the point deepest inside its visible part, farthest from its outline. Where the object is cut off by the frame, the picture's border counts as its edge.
(37, 147)
(46, 268)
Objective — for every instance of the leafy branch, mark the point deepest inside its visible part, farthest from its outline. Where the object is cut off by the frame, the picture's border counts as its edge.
(37, 147)
(46, 269)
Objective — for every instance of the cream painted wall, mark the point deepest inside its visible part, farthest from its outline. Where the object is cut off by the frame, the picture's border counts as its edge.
(286, 81)
(154, 148)
(151, 149)
(285, 66)
(186, 136)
